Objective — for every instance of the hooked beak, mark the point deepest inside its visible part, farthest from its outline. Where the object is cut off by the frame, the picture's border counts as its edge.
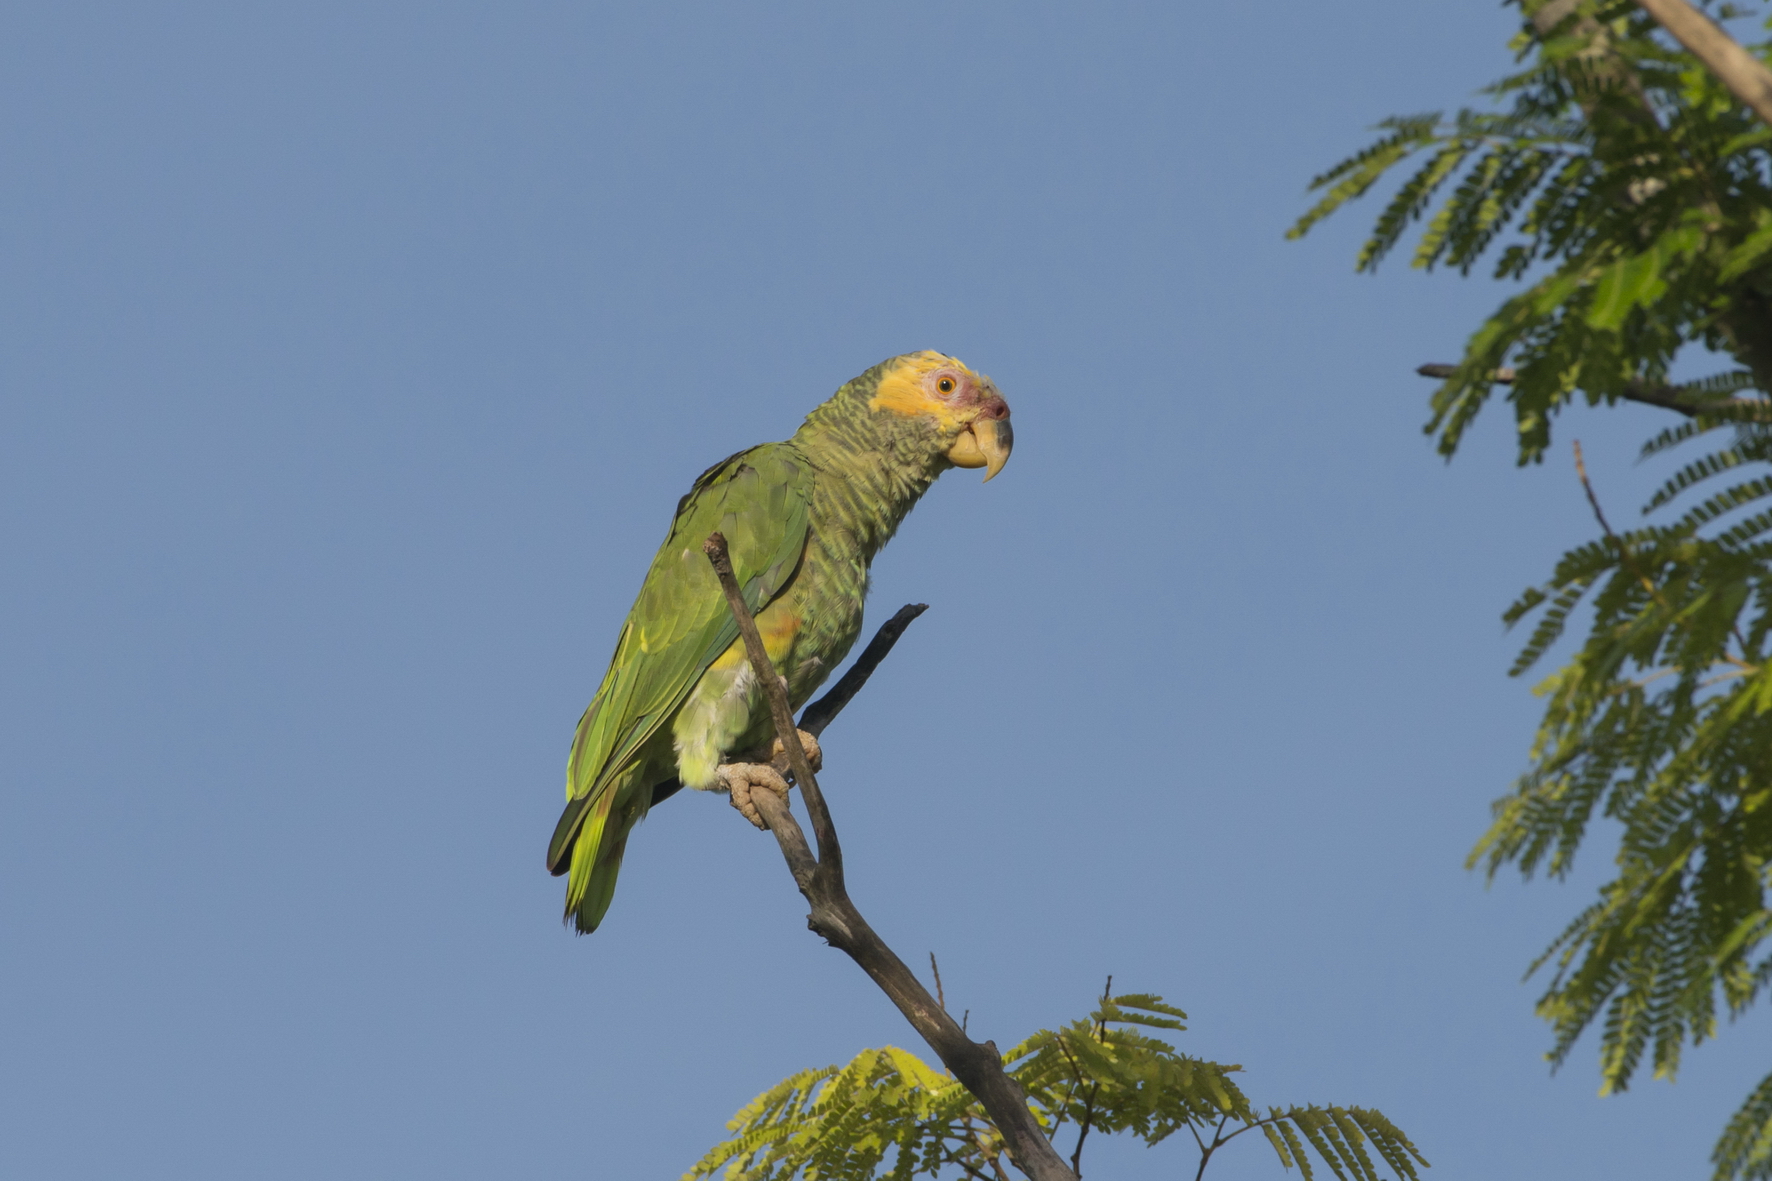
(985, 443)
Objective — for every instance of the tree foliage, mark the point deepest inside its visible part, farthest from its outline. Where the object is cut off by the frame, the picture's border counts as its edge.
(1630, 198)
(889, 1114)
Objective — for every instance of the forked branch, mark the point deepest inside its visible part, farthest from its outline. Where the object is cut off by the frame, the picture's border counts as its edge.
(978, 1067)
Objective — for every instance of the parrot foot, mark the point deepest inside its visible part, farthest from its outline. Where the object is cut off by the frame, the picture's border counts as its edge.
(766, 769)
(778, 754)
(741, 779)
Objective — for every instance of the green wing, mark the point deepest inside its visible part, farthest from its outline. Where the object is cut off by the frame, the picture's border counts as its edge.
(678, 626)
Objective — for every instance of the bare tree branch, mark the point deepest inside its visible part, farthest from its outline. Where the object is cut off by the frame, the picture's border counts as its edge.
(1739, 70)
(815, 717)
(978, 1067)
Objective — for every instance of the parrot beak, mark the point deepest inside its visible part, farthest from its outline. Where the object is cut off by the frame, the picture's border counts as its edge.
(985, 443)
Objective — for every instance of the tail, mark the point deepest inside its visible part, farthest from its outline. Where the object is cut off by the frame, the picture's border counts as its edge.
(595, 888)
(588, 844)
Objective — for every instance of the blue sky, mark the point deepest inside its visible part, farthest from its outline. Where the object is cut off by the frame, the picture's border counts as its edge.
(352, 357)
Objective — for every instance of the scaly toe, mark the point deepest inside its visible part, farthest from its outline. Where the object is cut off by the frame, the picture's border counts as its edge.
(742, 779)
(778, 754)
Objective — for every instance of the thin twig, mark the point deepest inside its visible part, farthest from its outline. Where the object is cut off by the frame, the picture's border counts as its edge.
(1059, 1117)
(953, 1158)
(1248, 1128)
(1599, 513)
(1217, 1143)
(994, 1156)
(1219, 1139)
(1083, 1125)
(1643, 682)
(1088, 1119)
(985, 1151)
(1083, 1130)
(997, 1167)
(978, 1067)
(1627, 557)
(941, 995)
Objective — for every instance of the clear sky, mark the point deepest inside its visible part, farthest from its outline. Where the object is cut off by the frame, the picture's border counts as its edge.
(352, 358)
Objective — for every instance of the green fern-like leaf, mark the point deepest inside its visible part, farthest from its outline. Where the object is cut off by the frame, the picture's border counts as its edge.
(887, 1114)
(1351, 178)
(1745, 1149)
(1696, 472)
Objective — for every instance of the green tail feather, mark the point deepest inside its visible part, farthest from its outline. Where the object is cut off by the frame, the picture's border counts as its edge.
(599, 889)
(603, 822)
(566, 835)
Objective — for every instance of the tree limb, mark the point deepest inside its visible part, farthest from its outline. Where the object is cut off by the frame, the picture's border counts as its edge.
(1739, 70)
(815, 717)
(978, 1067)
(1665, 396)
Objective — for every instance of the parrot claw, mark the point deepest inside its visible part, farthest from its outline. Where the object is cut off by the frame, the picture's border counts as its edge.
(778, 754)
(766, 769)
(741, 779)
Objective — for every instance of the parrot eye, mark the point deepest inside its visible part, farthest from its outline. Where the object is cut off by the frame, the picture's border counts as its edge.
(945, 385)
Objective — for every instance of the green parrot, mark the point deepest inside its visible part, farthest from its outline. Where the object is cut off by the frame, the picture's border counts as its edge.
(803, 520)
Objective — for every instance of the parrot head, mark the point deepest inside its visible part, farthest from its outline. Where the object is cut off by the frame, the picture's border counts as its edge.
(970, 418)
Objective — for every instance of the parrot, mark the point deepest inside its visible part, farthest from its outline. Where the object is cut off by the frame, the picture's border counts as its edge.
(803, 519)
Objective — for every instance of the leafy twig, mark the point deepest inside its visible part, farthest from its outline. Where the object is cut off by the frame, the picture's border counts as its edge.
(1107, 993)
(1667, 397)
(1627, 558)
(1219, 1140)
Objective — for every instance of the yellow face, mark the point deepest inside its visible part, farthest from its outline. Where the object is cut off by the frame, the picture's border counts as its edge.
(969, 413)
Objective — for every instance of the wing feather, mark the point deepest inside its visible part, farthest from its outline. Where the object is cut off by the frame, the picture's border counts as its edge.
(680, 624)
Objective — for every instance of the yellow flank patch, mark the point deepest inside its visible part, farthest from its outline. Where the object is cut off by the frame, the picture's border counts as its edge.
(777, 625)
(901, 390)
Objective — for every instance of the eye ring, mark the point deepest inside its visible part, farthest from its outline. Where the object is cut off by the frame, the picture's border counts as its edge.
(945, 385)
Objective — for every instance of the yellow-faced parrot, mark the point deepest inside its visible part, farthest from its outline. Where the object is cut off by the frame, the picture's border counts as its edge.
(803, 520)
